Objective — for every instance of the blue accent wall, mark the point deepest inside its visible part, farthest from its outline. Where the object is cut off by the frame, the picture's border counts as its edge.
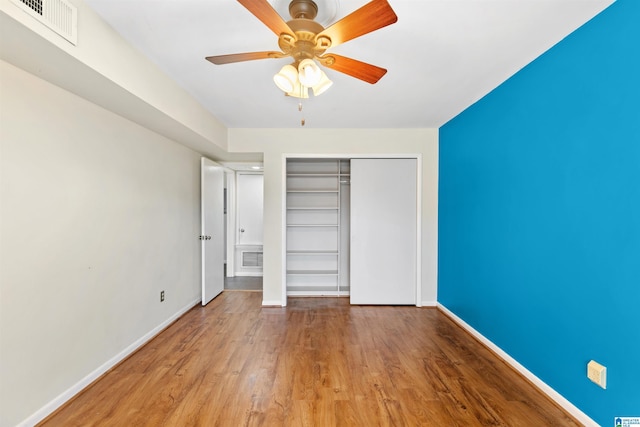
(539, 214)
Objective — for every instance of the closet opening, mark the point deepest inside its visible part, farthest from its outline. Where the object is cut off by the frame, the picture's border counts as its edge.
(352, 228)
(317, 227)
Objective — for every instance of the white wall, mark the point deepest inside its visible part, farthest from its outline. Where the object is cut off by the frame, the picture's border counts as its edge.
(275, 143)
(98, 215)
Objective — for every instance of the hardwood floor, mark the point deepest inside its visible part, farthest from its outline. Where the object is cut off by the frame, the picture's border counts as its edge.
(317, 362)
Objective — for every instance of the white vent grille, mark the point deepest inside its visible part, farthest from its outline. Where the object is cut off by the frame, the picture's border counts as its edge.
(34, 4)
(252, 259)
(59, 15)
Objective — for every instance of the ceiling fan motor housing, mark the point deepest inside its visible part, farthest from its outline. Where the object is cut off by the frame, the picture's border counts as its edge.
(306, 9)
(304, 45)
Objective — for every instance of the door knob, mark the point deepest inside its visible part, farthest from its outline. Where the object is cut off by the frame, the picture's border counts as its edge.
(242, 230)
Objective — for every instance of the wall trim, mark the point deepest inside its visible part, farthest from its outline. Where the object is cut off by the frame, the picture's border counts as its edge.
(75, 389)
(537, 382)
(272, 303)
(429, 303)
(230, 238)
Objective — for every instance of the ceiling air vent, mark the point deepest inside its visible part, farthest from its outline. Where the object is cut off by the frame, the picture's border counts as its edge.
(59, 15)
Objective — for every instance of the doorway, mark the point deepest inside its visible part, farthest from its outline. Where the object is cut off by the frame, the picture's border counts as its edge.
(244, 218)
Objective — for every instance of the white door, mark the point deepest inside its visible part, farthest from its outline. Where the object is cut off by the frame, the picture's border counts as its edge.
(250, 206)
(212, 220)
(383, 231)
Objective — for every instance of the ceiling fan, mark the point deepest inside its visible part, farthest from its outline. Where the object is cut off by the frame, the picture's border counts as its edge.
(306, 41)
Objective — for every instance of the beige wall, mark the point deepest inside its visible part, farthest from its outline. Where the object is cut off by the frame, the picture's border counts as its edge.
(276, 143)
(99, 211)
(98, 215)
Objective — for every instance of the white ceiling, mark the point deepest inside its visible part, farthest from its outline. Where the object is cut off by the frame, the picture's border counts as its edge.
(441, 56)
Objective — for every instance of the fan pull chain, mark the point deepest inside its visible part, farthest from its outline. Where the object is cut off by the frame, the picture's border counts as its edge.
(302, 121)
(302, 114)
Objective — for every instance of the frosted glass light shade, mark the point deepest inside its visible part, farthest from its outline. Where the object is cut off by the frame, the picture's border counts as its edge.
(309, 73)
(322, 86)
(287, 78)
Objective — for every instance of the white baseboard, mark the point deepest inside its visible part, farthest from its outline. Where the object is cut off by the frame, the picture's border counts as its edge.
(429, 304)
(274, 303)
(50, 407)
(551, 393)
(249, 273)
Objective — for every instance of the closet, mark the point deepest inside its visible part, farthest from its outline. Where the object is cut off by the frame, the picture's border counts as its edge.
(317, 221)
(352, 229)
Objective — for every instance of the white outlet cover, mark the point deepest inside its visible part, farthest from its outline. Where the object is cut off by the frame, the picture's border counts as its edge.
(597, 373)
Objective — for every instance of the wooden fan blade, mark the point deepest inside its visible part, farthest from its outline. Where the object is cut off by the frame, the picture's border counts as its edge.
(370, 17)
(262, 10)
(352, 67)
(239, 57)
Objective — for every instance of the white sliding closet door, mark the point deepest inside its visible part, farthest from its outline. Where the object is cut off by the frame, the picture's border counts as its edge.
(383, 231)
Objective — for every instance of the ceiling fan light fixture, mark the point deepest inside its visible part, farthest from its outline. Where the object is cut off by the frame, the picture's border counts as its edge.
(322, 86)
(287, 78)
(309, 73)
(299, 91)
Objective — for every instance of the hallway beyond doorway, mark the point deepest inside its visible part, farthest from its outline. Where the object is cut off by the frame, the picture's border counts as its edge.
(243, 283)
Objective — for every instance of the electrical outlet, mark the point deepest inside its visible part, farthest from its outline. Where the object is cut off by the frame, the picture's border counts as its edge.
(597, 373)
(161, 296)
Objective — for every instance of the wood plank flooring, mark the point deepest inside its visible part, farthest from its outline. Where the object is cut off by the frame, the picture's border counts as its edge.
(317, 362)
